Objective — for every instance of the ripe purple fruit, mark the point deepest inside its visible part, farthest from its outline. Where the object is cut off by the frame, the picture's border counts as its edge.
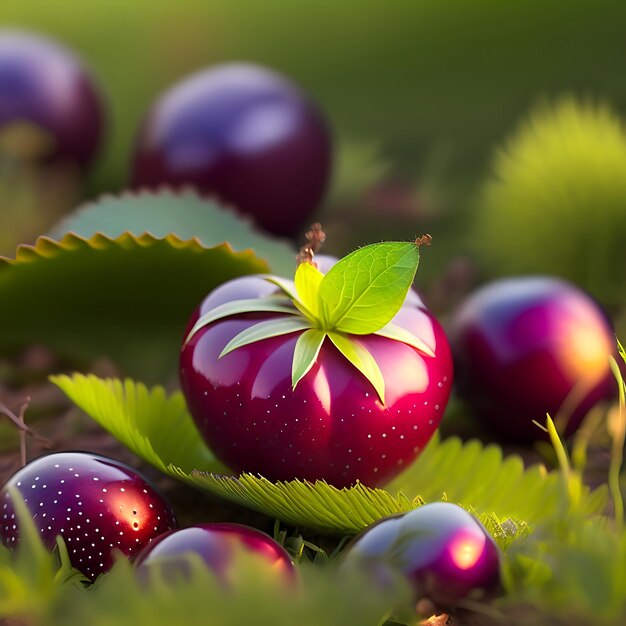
(259, 415)
(245, 134)
(96, 504)
(445, 553)
(43, 86)
(216, 544)
(528, 346)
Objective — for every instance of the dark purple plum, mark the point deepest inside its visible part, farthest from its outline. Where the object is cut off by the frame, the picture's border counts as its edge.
(444, 552)
(333, 426)
(244, 134)
(216, 544)
(527, 346)
(98, 505)
(44, 87)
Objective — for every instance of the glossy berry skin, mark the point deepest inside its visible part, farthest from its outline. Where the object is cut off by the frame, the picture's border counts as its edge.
(445, 553)
(216, 544)
(332, 426)
(46, 85)
(528, 346)
(244, 134)
(98, 505)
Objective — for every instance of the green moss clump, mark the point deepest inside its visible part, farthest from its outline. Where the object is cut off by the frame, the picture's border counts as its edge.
(555, 202)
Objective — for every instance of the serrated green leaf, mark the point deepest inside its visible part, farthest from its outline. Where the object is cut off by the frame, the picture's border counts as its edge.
(305, 353)
(362, 360)
(270, 304)
(266, 330)
(363, 291)
(127, 298)
(398, 333)
(184, 214)
(300, 503)
(143, 420)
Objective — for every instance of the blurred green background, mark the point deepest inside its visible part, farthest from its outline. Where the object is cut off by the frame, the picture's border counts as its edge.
(419, 93)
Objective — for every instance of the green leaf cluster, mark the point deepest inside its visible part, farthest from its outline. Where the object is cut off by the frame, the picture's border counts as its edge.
(360, 295)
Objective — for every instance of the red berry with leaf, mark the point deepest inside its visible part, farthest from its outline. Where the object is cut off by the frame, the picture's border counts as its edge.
(50, 105)
(443, 551)
(528, 346)
(98, 505)
(217, 545)
(331, 377)
(245, 134)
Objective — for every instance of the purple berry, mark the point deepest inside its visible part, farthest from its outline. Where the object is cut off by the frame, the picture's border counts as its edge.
(98, 505)
(245, 134)
(332, 426)
(216, 544)
(528, 346)
(44, 84)
(445, 553)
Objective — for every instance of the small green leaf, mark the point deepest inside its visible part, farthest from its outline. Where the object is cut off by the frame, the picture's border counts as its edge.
(398, 333)
(305, 354)
(287, 286)
(265, 330)
(364, 290)
(307, 281)
(270, 304)
(362, 360)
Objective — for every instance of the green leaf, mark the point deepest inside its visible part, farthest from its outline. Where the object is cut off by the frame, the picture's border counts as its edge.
(362, 360)
(307, 282)
(398, 333)
(286, 285)
(143, 420)
(305, 354)
(184, 214)
(363, 291)
(127, 298)
(270, 304)
(266, 330)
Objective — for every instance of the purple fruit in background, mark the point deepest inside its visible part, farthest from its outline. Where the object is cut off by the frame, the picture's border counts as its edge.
(528, 346)
(49, 102)
(445, 553)
(216, 544)
(96, 504)
(245, 134)
(332, 426)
